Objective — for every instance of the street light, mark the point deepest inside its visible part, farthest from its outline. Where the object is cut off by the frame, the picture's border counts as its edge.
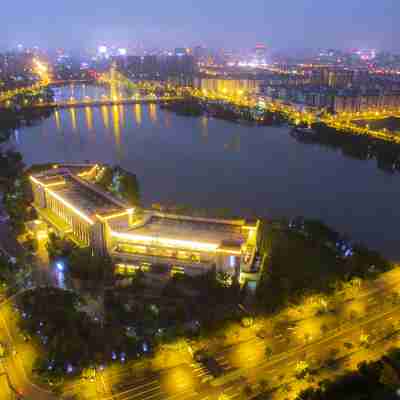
(60, 266)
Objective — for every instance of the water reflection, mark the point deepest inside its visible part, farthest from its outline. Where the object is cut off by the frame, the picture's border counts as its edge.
(167, 120)
(233, 144)
(204, 127)
(137, 111)
(117, 130)
(89, 118)
(105, 116)
(122, 114)
(153, 113)
(73, 119)
(58, 122)
(386, 154)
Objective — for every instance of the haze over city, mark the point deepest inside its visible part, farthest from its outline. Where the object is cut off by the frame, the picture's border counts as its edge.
(285, 24)
(198, 200)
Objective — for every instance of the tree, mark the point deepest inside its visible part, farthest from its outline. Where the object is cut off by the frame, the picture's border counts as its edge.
(268, 352)
(32, 244)
(389, 376)
(247, 391)
(302, 368)
(324, 329)
(59, 248)
(130, 188)
(86, 265)
(105, 178)
(138, 281)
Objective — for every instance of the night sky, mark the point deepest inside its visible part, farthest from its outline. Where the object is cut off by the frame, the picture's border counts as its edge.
(281, 24)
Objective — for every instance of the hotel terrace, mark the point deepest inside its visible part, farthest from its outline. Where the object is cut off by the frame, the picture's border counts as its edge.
(67, 198)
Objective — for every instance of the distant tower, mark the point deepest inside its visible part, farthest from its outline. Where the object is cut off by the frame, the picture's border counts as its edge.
(260, 54)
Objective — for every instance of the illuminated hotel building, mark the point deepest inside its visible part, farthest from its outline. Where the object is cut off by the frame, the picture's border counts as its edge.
(68, 199)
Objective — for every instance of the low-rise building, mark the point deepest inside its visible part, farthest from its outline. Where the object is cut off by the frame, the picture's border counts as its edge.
(69, 200)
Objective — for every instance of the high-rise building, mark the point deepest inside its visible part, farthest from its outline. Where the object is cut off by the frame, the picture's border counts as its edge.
(260, 54)
(333, 77)
(180, 51)
(199, 53)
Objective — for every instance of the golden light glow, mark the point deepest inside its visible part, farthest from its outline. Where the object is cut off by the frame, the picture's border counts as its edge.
(89, 172)
(106, 118)
(249, 227)
(138, 114)
(117, 127)
(57, 118)
(121, 214)
(122, 113)
(153, 112)
(55, 184)
(42, 235)
(179, 378)
(70, 206)
(73, 119)
(233, 252)
(166, 242)
(89, 118)
(33, 179)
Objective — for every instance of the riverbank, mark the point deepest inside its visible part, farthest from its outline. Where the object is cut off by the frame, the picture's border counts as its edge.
(358, 147)
(11, 119)
(390, 124)
(226, 111)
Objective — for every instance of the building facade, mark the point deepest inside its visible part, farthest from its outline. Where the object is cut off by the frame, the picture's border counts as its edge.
(68, 199)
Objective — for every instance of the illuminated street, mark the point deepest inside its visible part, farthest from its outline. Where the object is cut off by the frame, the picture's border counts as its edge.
(197, 200)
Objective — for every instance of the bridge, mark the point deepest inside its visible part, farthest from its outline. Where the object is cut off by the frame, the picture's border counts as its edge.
(88, 102)
(62, 82)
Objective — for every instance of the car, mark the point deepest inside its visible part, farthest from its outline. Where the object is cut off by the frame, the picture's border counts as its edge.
(25, 337)
(209, 362)
(262, 334)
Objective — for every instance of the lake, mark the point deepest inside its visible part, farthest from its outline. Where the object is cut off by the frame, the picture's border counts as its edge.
(208, 163)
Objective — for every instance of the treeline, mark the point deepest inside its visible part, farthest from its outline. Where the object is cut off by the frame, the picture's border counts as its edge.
(73, 340)
(360, 147)
(191, 106)
(378, 380)
(187, 107)
(304, 257)
(14, 118)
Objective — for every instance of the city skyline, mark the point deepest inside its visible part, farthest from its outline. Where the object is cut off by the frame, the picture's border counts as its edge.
(305, 24)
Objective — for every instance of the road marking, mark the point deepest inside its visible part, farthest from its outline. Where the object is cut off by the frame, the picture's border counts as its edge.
(291, 363)
(143, 394)
(136, 388)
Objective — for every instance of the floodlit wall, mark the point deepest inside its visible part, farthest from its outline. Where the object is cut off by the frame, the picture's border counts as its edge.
(228, 245)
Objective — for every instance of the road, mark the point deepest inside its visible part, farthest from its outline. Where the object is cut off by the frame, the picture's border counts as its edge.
(281, 368)
(243, 363)
(19, 359)
(246, 362)
(192, 382)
